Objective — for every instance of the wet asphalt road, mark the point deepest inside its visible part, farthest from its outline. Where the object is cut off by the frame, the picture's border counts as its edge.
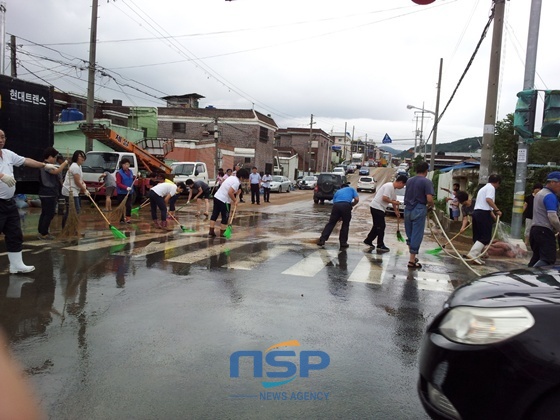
(145, 328)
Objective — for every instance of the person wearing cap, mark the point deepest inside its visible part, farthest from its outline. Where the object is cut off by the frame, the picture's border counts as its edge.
(528, 210)
(545, 223)
(49, 191)
(10, 222)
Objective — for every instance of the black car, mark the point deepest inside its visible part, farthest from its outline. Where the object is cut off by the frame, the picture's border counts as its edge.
(327, 185)
(493, 352)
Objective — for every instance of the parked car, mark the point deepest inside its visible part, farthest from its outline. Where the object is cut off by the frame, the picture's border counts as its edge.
(327, 184)
(366, 183)
(493, 352)
(280, 184)
(308, 182)
(363, 171)
(340, 170)
(400, 197)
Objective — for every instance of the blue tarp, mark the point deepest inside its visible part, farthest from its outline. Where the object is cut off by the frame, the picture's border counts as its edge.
(460, 166)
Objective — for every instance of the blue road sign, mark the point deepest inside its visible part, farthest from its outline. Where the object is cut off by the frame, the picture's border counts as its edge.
(386, 139)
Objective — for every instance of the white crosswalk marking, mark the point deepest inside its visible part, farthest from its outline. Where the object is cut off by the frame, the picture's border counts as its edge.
(253, 260)
(201, 254)
(312, 264)
(368, 272)
(108, 243)
(437, 282)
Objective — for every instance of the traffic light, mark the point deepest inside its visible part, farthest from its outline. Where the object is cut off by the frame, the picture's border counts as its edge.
(551, 116)
(524, 116)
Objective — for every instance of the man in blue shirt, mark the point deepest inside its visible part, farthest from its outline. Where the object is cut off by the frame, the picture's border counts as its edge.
(545, 223)
(418, 198)
(343, 201)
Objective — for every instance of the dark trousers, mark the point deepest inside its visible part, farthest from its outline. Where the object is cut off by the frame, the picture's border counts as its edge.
(266, 194)
(255, 193)
(220, 208)
(378, 229)
(543, 244)
(339, 211)
(482, 222)
(128, 205)
(48, 210)
(10, 225)
(157, 201)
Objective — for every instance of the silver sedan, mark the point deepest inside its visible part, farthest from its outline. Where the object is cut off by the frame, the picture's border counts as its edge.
(280, 184)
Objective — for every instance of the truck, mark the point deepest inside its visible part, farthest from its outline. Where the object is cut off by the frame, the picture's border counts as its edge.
(358, 159)
(26, 117)
(197, 171)
(142, 163)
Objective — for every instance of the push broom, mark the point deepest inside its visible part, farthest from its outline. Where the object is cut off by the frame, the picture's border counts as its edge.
(229, 229)
(183, 228)
(437, 250)
(135, 210)
(399, 235)
(116, 233)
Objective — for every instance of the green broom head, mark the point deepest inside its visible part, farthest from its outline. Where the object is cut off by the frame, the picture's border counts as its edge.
(399, 236)
(117, 233)
(434, 251)
(135, 210)
(227, 232)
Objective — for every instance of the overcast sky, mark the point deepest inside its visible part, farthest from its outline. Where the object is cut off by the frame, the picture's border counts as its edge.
(359, 62)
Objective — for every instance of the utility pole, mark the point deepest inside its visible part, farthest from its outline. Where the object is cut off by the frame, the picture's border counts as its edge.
(422, 132)
(2, 36)
(522, 152)
(434, 138)
(90, 106)
(216, 151)
(309, 149)
(344, 145)
(13, 56)
(492, 93)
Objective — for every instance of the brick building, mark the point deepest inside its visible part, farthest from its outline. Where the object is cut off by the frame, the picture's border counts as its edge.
(312, 146)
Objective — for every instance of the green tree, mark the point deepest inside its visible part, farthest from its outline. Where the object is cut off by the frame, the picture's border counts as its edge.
(504, 158)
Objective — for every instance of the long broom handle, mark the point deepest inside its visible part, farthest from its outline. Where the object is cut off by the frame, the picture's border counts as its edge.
(232, 215)
(98, 209)
(173, 217)
(458, 233)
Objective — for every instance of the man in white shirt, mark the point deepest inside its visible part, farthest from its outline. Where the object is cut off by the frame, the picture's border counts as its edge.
(10, 224)
(255, 181)
(225, 197)
(482, 217)
(385, 195)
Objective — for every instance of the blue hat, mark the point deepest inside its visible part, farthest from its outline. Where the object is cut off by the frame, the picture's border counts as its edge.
(553, 176)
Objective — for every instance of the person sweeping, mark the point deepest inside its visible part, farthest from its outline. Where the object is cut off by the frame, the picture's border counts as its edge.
(199, 190)
(384, 196)
(125, 189)
(160, 195)
(226, 196)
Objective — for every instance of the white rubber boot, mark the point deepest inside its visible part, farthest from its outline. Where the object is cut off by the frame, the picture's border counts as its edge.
(475, 252)
(17, 265)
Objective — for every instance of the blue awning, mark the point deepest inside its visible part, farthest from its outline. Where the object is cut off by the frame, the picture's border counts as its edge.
(460, 166)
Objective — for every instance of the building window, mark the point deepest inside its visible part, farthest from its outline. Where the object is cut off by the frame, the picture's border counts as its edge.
(179, 127)
(263, 134)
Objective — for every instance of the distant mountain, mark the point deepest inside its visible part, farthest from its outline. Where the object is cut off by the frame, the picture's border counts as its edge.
(388, 149)
(470, 144)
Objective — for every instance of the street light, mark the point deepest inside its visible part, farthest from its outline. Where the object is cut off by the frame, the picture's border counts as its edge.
(422, 129)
